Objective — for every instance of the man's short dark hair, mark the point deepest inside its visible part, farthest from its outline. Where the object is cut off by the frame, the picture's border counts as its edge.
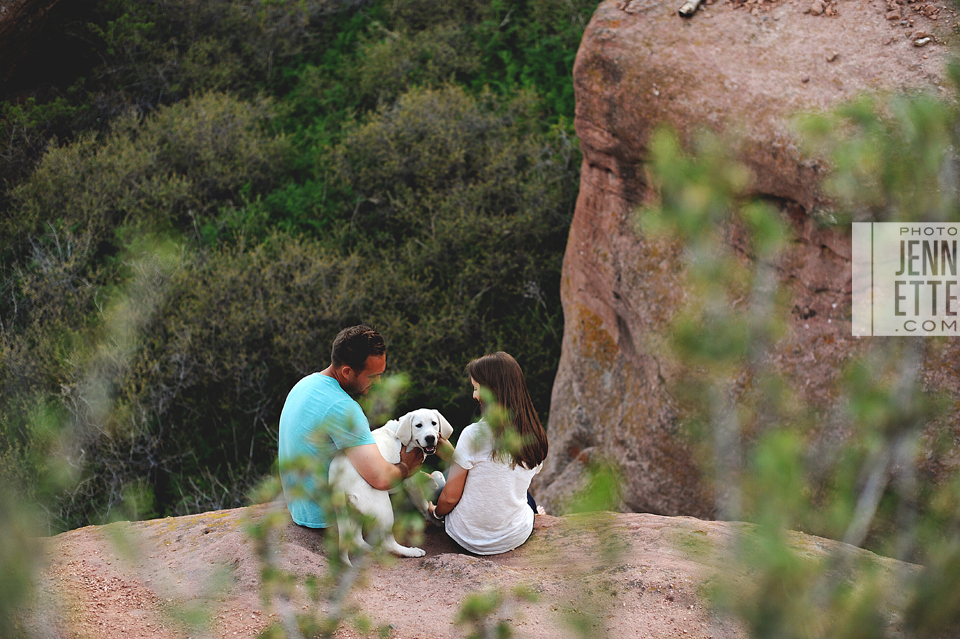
(354, 345)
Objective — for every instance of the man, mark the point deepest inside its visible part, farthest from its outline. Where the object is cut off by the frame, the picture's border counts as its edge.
(320, 416)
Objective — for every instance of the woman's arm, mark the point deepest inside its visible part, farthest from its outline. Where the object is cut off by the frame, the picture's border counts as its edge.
(452, 491)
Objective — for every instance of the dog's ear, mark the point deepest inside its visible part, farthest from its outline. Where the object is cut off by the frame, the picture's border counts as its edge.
(445, 428)
(405, 429)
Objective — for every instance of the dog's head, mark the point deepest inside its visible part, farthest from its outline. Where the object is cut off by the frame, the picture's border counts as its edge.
(421, 428)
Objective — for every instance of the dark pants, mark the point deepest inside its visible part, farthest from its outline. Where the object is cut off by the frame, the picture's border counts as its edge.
(532, 502)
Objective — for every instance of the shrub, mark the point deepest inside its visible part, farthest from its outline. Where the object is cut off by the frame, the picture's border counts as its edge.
(239, 325)
(464, 261)
(428, 58)
(441, 217)
(463, 210)
(161, 51)
(77, 226)
(149, 171)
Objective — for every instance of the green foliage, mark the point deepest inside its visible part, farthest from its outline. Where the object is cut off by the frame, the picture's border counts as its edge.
(189, 221)
(696, 190)
(26, 128)
(532, 45)
(188, 224)
(893, 162)
(466, 210)
(601, 490)
(773, 463)
(393, 46)
(32, 466)
(151, 173)
(162, 51)
(486, 614)
(79, 220)
(246, 323)
(18, 554)
(934, 608)
(428, 58)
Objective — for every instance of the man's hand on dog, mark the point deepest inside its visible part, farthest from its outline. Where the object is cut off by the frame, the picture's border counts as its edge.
(412, 459)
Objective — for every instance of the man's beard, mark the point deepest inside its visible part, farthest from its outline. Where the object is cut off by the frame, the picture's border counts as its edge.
(357, 390)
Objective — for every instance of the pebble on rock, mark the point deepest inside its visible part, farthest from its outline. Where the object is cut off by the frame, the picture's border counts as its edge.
(817, 7)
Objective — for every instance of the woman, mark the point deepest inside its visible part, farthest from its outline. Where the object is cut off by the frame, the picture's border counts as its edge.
(485, 502)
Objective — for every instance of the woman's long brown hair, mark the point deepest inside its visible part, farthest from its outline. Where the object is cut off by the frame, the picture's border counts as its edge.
(501, 375)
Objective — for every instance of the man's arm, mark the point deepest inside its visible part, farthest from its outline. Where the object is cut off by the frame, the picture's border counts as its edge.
(377, 471)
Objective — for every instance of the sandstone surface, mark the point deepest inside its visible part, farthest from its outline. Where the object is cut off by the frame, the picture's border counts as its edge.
(139, 579)
(733, 67)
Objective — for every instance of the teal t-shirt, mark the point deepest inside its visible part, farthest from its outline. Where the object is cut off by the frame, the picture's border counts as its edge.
(318, 419)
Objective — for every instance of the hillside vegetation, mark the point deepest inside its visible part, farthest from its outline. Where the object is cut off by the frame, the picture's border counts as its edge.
(204, 192)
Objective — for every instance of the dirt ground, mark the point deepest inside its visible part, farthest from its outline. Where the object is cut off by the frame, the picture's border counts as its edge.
(634, 575)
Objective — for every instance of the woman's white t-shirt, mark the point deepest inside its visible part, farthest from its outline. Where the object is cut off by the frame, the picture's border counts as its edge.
(493, 515)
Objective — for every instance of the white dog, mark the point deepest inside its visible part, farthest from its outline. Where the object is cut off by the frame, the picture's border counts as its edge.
(420, 429)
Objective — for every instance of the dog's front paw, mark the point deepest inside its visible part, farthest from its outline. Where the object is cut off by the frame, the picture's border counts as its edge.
(439, 479)
(406, 551)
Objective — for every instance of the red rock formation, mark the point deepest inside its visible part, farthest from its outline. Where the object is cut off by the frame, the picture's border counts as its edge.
(640, 65)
